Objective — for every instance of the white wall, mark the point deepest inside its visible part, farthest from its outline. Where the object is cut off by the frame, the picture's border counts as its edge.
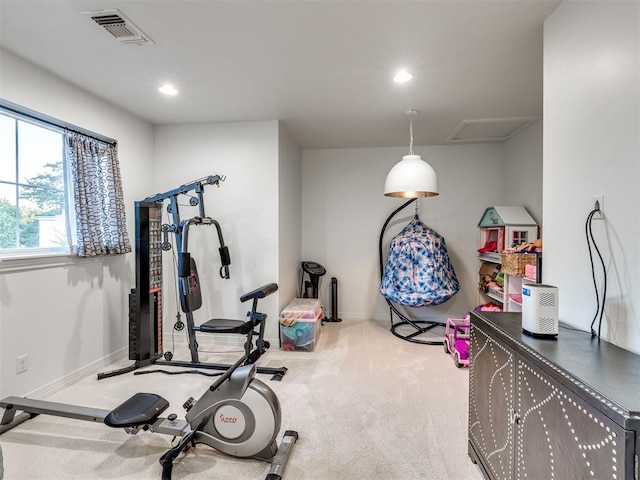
(245, 205)
(289, 217)
(66, 318)
(344, 210)
(592, 134)
(522, 170)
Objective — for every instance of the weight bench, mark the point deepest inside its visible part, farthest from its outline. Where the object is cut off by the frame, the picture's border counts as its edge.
(240, 327)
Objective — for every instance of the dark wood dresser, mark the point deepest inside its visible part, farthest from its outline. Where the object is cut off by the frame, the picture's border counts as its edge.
(560, 409)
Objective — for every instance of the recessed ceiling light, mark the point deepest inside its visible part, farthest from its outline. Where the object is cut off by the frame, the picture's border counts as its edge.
(402, 76)
(168, 90)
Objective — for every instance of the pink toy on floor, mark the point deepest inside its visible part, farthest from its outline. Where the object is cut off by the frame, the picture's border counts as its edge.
(456, 340)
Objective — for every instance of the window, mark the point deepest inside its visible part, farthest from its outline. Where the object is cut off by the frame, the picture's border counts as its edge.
(520, 237)
(60, 190)
(32, 188)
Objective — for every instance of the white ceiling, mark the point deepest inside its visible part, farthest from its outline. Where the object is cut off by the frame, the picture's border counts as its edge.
(323, 68)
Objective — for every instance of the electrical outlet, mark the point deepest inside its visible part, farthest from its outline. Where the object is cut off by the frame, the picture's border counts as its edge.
(22, 363)
(598, 202)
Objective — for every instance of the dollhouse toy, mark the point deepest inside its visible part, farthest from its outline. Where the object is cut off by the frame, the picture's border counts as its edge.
(504, 227)
(501, 232)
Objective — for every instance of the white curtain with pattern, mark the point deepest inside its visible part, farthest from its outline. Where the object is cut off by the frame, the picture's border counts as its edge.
(96, 202)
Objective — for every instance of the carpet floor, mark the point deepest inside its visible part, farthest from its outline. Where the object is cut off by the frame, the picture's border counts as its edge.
(366, 405)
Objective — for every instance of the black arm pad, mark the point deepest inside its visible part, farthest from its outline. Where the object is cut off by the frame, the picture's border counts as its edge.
(184, 264)
(261, 292)
(225, 258)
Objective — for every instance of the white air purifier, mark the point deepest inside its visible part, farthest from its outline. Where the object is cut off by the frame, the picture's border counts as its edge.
(540, 310)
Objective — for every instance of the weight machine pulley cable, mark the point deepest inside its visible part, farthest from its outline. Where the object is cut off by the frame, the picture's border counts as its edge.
(178, 325)
(181, 372)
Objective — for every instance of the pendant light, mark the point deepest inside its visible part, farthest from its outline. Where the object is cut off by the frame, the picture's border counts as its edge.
(411, 177)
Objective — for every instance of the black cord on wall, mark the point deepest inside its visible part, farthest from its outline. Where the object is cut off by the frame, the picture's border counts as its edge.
(600, 297)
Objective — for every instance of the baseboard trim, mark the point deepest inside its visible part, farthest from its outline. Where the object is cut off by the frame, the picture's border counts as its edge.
(204, 340)
(77, 375)
(363, 316)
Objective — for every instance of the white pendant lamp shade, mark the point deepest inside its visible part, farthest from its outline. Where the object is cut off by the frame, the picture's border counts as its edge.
(411, 177)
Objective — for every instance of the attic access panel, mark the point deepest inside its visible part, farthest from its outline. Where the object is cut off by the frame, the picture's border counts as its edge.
(489, 129)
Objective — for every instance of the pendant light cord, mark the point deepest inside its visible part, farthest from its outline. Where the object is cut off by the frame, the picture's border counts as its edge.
(411, 114)
(411, 135)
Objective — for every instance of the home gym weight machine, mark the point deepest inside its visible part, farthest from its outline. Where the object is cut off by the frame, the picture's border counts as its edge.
(146, 300)
(238, 414)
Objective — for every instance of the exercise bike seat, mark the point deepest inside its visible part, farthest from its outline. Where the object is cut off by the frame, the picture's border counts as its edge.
(140, 409)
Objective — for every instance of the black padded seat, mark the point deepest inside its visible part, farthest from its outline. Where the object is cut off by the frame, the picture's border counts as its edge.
(225, 325)
(141, 409)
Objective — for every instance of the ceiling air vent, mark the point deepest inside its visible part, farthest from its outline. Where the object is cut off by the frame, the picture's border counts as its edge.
(119, 26)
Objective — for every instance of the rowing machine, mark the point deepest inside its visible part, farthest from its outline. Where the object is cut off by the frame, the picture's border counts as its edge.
(238, 415)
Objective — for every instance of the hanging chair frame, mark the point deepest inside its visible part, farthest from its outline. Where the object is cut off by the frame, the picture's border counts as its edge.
(419, 327)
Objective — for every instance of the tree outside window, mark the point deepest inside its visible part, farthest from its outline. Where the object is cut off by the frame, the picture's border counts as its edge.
(32, 198)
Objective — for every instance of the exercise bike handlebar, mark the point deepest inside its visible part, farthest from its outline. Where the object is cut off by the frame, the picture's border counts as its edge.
(249, 360)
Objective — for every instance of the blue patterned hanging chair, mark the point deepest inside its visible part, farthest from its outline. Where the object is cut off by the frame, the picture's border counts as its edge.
(418, 271)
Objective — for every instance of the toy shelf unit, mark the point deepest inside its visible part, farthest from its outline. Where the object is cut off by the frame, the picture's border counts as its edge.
(499, 229)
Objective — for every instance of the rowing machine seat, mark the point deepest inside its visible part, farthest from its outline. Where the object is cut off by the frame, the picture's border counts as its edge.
(140, 409)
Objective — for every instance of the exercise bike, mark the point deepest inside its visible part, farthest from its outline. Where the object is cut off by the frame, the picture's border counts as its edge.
(238, 414)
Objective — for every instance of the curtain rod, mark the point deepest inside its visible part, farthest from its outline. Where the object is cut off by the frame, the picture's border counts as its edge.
(38, 117)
